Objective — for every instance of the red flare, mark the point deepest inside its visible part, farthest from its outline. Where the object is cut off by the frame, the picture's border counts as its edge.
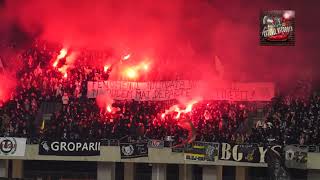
(65, 75)
(109, 109)
(126, 57)
(145, 66)
(55, 63)
(179, 111)
(105, 68)
(131, 73)
(63, 53)
(163, 115)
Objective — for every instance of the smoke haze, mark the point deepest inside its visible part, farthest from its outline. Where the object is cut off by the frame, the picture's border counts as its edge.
(187, 33)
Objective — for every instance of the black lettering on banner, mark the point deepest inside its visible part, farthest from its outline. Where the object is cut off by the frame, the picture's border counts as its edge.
(177, 92)
(142, 95)
(229, 94)
(158, 94)
(223, 94)
(188, 92)
(237, 94)
(182, 84)
(244, 95)
(168, 94)
(193, 84)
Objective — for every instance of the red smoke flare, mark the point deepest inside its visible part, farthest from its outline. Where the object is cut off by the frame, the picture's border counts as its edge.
(131, 73)
(63, 53)
(65, 75)
(7, 86)
(125, 58)
(105, 102)
(176, 109)
(105, 68)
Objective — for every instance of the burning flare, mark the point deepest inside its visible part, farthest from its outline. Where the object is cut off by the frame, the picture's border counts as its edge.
(106, 68)
(184, 123)
(131, 73)
(126, 57)
(176, 109)
(63, 53)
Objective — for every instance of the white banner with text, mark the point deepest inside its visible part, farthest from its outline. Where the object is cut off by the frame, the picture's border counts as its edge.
(11, 146)
(167, 90)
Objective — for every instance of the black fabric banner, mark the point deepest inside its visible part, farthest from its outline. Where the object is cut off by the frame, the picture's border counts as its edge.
(69, 148)
(252, 153)
(202, 151)
(133, 150)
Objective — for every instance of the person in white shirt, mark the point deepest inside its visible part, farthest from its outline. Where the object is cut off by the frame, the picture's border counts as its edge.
(259, 124)
(65, 101)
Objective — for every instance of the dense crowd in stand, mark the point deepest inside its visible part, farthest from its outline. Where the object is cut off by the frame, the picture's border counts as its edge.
(289, 121)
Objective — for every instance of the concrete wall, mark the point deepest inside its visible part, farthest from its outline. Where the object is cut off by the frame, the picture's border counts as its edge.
(112, 154)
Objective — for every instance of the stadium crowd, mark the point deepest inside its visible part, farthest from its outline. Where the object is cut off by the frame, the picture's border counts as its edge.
(287, 120)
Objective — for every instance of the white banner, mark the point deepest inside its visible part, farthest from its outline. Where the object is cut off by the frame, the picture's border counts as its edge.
(11, 146)
(167, 90)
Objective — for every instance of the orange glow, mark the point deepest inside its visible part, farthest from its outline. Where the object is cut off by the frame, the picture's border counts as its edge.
(189, 106)
(65, 75)
(55, 63)
(105, 68)
(163, 115)
(109, 109)
(178, 115)
(179, 111)
(63, 53)
(145, 66)
(131, 73)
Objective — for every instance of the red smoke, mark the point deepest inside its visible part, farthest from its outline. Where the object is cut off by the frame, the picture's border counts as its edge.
(8, 84)
(181, 36)
(105, 102)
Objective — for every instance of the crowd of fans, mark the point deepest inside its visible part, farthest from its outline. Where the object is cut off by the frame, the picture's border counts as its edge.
(286, 120)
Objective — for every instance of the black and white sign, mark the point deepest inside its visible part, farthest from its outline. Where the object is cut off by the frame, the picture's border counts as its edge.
(69, 148)
(246, 152)
(11, 146)
(296, 157)
(133, 150)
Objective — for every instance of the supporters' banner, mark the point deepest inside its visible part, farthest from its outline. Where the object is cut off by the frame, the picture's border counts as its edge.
(167, 90)
(133, 150)
(69, 148)
(11, 146)
(246, 152)
(296, 157)
(202, 151)
(153, 143)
